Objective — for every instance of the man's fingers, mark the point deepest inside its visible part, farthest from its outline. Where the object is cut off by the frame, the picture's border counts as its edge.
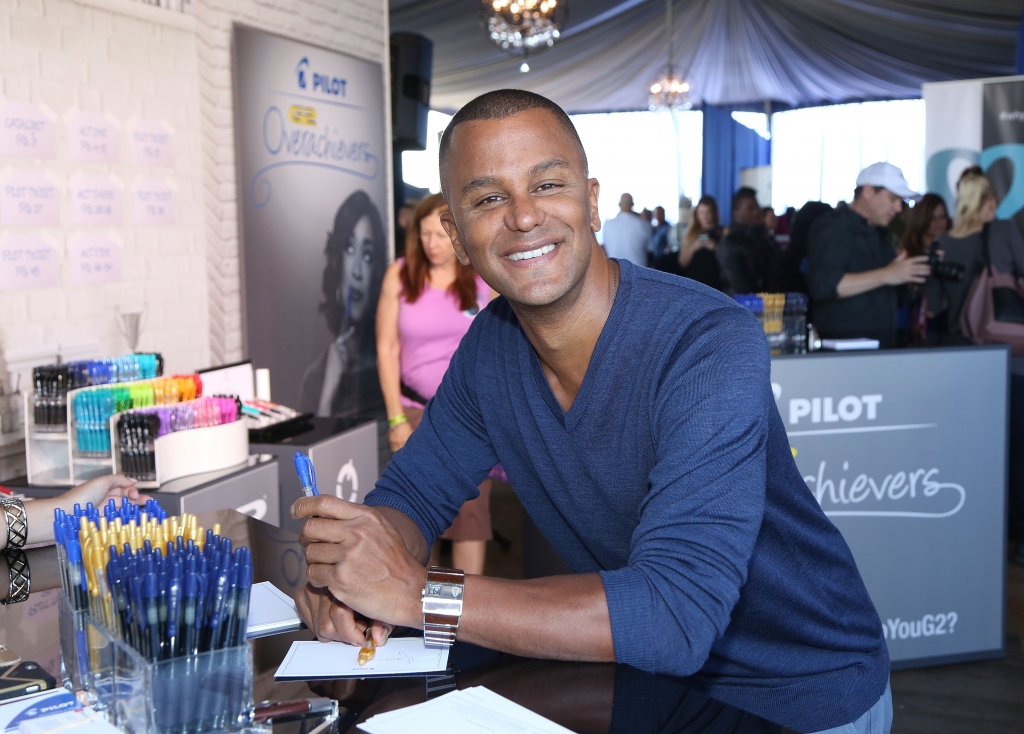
(381, 632)
(344, 622)
(326, 505)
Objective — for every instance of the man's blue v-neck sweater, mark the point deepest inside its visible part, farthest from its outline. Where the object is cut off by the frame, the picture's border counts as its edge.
(671, 476)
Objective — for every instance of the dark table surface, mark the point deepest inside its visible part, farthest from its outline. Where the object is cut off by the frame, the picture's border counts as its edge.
(583, 697)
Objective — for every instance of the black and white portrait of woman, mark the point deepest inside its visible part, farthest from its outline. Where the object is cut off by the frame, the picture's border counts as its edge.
(343, 379)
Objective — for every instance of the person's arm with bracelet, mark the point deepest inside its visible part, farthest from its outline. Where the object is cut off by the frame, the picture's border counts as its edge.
(30, 522)
(389, 352)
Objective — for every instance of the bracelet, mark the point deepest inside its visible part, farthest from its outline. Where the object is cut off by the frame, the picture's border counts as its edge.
(396, 421)
(17, 522)
(20, 579)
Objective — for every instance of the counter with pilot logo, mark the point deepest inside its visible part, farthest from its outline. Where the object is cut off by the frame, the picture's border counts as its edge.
(345, 457)
(906, 452)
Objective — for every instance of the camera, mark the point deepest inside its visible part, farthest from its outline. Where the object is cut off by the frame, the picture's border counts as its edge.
(945, 270)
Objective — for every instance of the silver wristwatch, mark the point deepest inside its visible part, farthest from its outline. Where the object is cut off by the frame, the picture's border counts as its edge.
(442, 605)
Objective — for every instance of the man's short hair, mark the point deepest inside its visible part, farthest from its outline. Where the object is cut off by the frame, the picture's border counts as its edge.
(498, 105)
(743, 193)
(857, 192)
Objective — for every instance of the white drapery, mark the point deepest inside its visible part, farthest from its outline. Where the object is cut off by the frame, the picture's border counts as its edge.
(793, 53)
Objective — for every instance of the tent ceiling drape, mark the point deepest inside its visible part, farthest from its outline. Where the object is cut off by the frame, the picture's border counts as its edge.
(734, 52)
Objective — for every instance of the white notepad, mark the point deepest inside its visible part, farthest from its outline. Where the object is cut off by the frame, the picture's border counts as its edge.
(849, 345)
(271, 612)
(475, 710)
(325, 660)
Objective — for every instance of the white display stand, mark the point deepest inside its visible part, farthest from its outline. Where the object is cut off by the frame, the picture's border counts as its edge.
(47, 453)
(194, 451)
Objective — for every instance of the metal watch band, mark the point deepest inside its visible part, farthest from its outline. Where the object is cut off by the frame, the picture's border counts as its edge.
(20, 580)
(442, 606)
(17, 522)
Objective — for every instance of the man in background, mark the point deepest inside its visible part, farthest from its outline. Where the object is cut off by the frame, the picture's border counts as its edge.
(853, 270)
(627, 236)
(659, 238)
(744, 253)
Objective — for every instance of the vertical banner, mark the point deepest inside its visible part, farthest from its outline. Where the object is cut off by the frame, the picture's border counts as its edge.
(311, 138)
(977, 122)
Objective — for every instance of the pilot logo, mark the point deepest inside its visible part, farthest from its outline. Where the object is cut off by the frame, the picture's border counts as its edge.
(301, 71)
(348, 474)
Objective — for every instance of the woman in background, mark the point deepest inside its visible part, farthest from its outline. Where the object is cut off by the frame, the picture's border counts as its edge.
(927, 221)
(974, 223)
(697, 254)
(427, 303)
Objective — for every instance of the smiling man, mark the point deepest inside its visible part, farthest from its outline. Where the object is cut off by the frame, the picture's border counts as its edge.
(633, 413)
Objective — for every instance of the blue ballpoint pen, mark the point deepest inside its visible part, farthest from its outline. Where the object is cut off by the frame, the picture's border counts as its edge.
(307, 474)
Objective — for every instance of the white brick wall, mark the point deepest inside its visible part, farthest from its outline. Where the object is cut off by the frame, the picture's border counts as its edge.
(126, 58)
(123, 58)
(356, 27)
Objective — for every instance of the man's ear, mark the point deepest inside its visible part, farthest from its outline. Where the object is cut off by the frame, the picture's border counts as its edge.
(448, 222)
(593, 192)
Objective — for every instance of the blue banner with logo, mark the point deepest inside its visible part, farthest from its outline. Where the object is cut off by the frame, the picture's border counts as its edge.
(311, 149)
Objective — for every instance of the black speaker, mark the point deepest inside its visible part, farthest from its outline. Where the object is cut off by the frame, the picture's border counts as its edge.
(412, 57)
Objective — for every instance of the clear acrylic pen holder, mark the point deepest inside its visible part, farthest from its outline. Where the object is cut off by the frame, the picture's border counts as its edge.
(211, 691)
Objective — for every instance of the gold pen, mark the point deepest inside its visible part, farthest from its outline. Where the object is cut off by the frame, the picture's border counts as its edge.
(368, 650)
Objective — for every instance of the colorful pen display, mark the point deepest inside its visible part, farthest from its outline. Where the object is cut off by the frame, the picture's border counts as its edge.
(137, 430)
(92, 408)
(164, 585)
(52, 382)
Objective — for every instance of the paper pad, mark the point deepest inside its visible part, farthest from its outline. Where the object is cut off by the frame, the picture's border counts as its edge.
(400, 656)
(470, 711)
(271, 611)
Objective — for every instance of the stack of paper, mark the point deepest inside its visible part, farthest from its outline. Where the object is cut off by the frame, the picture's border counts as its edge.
(401, 656)
(469, 711)
(271, 612)
(849, 345)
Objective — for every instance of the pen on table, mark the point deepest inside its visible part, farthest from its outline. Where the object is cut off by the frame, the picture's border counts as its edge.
(286, 710)
(368, 650)
(307, 474)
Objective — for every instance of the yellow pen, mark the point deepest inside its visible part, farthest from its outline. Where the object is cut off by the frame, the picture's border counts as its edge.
(368, 650)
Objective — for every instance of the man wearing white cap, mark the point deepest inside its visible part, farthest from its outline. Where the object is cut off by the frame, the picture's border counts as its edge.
(852, 267)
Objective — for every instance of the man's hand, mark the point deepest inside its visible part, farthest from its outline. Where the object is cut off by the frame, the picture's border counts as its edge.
(332, 621)
(361, 558)
(907, 269)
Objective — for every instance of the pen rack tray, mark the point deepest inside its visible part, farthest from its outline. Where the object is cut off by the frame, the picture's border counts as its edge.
(211, 691)
(194, 451)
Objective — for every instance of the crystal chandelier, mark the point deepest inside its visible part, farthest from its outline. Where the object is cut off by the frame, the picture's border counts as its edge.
(670, 91)
(523, 25)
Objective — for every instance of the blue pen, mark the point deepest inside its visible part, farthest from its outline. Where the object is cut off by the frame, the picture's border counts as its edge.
(307, 474)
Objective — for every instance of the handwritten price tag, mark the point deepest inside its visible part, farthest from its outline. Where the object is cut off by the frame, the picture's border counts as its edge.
(29, 198)
(95, 200)
(154, 202)
(27, 131)
(93, 137)
(95, 258)
(27, 261)
(151, 143)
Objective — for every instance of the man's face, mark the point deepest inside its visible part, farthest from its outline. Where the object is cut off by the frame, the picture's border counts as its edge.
(880, 205)
(659, 215)
(747, 213)
(522, 209)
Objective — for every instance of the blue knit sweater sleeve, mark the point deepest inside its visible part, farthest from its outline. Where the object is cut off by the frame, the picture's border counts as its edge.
(447, 457)
(702, 514)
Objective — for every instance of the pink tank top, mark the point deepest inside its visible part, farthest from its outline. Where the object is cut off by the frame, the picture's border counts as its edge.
(429, 332)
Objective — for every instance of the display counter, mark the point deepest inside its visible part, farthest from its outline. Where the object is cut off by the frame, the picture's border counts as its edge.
(582, 697)
(250, 487)
(344, 454)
